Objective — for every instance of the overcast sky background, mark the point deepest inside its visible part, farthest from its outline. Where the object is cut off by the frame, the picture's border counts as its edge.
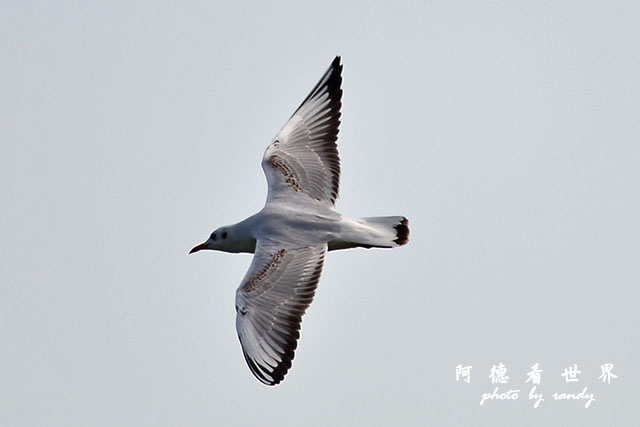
(507, 132)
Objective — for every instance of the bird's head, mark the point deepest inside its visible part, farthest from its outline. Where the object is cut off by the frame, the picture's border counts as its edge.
(217, 241)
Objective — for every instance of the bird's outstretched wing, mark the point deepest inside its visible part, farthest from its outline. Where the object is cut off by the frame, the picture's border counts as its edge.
(302, 160)
(270, 302)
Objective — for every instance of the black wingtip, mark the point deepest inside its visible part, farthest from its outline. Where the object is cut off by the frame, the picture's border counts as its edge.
(332, 79)
(336, 65)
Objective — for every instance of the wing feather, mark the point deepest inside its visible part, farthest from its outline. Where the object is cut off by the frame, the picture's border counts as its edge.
(303, 159)
(270, 303)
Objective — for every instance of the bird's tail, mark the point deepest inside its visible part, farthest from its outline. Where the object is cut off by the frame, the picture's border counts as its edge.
(373, 232)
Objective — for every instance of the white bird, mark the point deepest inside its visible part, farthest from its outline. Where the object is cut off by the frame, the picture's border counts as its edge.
(291, 235)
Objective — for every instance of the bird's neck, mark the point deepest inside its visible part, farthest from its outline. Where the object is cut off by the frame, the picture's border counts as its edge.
(240, 238)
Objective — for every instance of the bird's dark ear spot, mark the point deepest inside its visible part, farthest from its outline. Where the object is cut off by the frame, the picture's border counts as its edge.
(224, 234)
(213, 236)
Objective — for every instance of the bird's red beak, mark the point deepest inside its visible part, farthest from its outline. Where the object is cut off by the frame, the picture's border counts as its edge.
(200, 247)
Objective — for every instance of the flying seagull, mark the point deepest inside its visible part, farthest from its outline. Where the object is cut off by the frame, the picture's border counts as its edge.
(291, 235)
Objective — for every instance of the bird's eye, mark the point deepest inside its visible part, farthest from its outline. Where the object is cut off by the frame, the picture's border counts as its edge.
(213, 236)
(224, 234)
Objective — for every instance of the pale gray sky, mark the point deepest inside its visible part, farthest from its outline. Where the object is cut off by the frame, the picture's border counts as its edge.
(506, 132)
